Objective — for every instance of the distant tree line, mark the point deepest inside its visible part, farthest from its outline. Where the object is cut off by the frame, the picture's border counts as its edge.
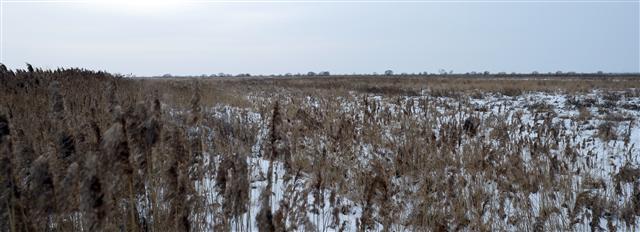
(389, 72)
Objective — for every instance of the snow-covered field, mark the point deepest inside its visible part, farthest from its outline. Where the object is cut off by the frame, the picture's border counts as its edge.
(544, 161)
(86, 151)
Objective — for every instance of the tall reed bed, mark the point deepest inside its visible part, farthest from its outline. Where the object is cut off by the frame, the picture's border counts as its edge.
(90, 151)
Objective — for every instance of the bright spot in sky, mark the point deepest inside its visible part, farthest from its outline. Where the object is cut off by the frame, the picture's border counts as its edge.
(141, 6)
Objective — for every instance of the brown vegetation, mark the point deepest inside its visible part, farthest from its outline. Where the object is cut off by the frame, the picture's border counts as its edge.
(86, 151)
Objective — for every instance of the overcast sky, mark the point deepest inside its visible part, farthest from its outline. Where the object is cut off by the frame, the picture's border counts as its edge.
(181, 37)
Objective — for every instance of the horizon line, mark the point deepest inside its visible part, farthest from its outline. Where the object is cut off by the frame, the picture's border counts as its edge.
(341, 1)
(330, 73)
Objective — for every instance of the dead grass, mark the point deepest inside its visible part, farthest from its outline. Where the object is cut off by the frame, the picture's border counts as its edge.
(87, 151)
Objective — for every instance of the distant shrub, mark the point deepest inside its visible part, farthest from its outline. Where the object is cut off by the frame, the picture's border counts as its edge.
(580, 103)
(540, 107)
(511, 92)
(607, 131)
(389, 90)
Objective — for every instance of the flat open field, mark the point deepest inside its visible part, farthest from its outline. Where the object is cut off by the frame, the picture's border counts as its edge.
(87, 151)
